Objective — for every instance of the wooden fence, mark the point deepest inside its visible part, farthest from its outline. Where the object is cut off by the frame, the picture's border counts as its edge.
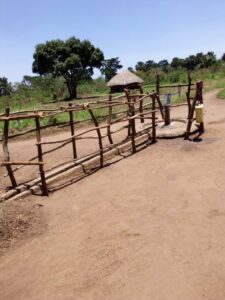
(128, 110)
(135, 108)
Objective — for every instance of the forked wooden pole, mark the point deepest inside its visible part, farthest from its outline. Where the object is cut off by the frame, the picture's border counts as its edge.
(191, 114)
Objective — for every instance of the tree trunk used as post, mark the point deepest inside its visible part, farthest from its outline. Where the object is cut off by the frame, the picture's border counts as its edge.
(40, 157)
(167, 120)
(6, 150)
(72, 133)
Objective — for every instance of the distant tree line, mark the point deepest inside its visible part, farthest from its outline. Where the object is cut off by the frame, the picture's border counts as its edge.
(69, 63)
(192, 62)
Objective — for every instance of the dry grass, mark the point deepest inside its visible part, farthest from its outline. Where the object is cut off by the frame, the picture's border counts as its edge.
(19, 220)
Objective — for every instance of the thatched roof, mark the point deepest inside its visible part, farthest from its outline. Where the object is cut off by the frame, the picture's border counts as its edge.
(124, 78)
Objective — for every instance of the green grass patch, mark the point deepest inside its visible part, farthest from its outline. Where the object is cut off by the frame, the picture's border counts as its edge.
(221, 94)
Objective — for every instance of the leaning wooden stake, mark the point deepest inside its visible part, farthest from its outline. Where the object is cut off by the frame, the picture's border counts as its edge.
(40, 156)
(109, 121)
(99, 136)
(72, 133)
(6, 150)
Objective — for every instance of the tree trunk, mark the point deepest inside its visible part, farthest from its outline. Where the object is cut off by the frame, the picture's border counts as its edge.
(73, 92)
(72, 88)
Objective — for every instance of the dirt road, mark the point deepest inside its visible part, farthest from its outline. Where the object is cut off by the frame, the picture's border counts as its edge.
(148, 227)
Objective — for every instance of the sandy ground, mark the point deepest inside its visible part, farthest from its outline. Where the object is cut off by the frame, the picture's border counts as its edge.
(148, 227)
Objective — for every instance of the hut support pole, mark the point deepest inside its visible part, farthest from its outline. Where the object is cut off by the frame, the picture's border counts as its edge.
(6, 150)
(40, 157)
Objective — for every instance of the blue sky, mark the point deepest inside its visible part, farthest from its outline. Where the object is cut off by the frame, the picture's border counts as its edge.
(131, 30)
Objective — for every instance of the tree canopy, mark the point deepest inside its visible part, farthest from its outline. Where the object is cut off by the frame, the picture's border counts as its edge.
(5, 86)
(192, 62)
(72, 59)
(109, 67)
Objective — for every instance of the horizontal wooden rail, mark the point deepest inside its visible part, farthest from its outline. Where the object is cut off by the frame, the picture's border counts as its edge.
(175, 85)
(14, 118)
(74, 136)
(4, 163)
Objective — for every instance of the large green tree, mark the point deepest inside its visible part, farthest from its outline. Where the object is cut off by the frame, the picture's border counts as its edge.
(109, 67)
(72, 59)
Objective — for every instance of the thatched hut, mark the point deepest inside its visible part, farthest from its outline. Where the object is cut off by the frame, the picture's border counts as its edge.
(123, 80)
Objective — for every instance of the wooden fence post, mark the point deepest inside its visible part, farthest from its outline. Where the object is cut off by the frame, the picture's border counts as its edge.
(128, 100)
(153, 118)
(132, 126)
(158, 96)
(99, 136)
(6, 150)
(188, 94)
(72, 133)
(200, 100)
(157, 84)
(40, 156)
(141, 105)
(109, 121)
(191, 115)
(167, 115)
